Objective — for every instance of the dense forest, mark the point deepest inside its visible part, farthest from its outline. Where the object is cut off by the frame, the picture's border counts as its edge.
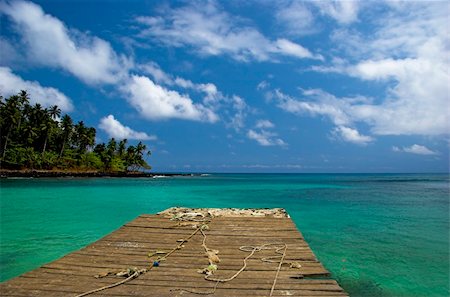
(34, 137)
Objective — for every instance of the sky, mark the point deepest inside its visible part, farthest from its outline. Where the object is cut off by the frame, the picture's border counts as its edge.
(243, 86)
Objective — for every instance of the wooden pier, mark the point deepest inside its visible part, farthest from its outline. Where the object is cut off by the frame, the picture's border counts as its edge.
(171, 253)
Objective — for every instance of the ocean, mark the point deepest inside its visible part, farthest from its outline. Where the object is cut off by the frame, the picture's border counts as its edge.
(378, 234)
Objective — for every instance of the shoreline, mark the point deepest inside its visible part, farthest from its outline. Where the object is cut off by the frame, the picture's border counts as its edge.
(31, 173)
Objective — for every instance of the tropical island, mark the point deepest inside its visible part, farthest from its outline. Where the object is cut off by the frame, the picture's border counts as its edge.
(38, 141)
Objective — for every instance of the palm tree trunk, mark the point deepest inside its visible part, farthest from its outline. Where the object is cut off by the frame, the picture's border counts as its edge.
(45, 144)
(6, 142)
(62, 147)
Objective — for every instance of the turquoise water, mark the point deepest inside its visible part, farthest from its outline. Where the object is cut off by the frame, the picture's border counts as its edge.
(379, 235)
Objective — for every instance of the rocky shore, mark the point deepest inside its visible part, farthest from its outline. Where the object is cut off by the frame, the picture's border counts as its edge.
(4, 173)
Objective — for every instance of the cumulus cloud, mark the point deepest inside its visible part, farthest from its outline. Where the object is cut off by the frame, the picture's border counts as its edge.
(11, 84)
(157, 73)
(117, 130)
(316, 102)
(264, 135)
(341, 111)
(160, 76)
(265, 138)
(417, 103)
(238, 113)
(296, 17)
(408, 52)
(290, 48)
(9, 55)
(212, 32)
(351, 135)
(234, 108)
(155, 102)
(391, 117)
(415, 149)
(344, 12)
(264, 124)
(299, 18)
(209, 89)
(50, 43)
(262, 85)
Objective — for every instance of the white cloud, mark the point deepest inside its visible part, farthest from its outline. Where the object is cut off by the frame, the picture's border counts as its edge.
(115, 129)
(351, 135)
(418, 104)
(233, 107)
(49, 42)
(264, 124)
(238, 112)
(209, 89)
(210, 31)
(290, 48)
(9, 55)
(316, 102)
(296, 17)
(319, 103)
(415, 149)
(157, 73)
(344, 12)
(265, 138)
(391, 117)
(155, 102)
(262, 85)
(299, 18)
(408, 52)
(11, 84)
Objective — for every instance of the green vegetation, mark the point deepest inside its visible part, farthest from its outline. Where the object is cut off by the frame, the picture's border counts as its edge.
(32, 138)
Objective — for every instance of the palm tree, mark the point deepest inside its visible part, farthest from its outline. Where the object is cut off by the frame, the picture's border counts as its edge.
(11, 116)
(81, 136)
(130, 159)
(48, 123)
(29, 132)
(90, 137)
(23, 104)
(135, 155)
(54, 112)
(67, 127)
(46, 128)
(121, 149)
(112, 146)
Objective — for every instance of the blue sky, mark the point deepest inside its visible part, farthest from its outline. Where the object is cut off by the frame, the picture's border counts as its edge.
(234, 86)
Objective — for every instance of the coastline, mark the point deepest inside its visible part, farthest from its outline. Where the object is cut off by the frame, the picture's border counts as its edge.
(34, 173)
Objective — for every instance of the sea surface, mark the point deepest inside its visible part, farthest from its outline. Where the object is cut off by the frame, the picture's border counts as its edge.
(379, 234)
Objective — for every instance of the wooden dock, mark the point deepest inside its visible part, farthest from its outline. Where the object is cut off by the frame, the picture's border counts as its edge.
(138, 244)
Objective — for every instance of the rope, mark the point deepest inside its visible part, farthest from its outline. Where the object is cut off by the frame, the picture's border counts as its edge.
(252, 250)
(134, 275)
(278, 270)
(205, 247)
(224, 280)
(212, 291)
(179, 246)
(144, 270)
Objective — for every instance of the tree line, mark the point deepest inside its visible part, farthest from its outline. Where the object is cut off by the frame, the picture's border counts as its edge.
(34, 137)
